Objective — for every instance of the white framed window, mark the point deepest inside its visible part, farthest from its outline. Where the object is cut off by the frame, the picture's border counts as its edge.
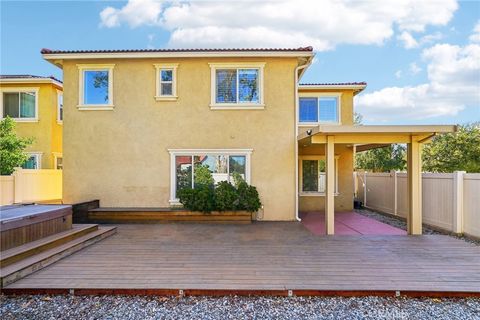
(237, 86)
(20, 104)
(312, 175)
(59, 107)
(57, 161)
(319, 108)
(187, 166)
(34, 161)
(166, 82)
(95, 86)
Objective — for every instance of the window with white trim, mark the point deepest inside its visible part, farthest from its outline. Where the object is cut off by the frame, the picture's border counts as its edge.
(59, 106)
(191, 168)
(34, 161)
(95, 86)
(321, 109)
(313, 178)
(20, 104)
(58, 161)
(237, 85)
(166, 81)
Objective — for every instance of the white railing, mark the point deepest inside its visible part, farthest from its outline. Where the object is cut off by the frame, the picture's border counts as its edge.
(31, 185)
(451, 201)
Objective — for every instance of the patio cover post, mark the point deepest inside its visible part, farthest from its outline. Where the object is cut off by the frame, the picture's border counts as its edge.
(330, 186)
(414, 172)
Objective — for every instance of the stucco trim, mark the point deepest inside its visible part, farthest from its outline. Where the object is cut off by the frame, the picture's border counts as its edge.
(87, 67)
(21, 89)
(158, 68)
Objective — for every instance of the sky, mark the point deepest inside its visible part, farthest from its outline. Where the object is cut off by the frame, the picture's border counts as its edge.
(421, 59)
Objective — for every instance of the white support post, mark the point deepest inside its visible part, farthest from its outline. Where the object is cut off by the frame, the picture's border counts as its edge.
(330, 190)
(458, 201)
(17, 186)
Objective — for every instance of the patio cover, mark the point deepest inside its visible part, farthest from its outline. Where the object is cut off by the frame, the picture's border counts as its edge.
(371, 136)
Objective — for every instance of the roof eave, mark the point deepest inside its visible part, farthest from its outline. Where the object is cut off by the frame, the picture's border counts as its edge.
(31, 80)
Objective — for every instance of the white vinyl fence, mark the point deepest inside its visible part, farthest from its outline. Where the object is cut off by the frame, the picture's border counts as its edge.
(31, 185)
(451, 201)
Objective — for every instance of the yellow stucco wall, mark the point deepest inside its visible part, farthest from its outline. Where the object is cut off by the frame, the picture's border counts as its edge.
(344, 199)
(47, 133)
(121, 157)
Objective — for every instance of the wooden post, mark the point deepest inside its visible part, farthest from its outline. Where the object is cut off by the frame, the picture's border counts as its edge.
(414, 171)
(330, 188)
(364, 188)
(17, 186)
(458, 201)
(395, 193)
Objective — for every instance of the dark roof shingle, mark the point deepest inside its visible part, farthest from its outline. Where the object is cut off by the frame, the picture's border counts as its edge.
(50, 51)
(27, 76)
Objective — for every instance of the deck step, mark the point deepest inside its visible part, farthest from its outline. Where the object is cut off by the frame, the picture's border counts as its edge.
(35, 247)
(22, 268)
(164, 215)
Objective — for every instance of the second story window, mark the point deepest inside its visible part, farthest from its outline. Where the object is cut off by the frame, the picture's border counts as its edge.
(95, 87)
(166, 81)
(322, 109)
(20, 104)
(59, 106)
(237, 86)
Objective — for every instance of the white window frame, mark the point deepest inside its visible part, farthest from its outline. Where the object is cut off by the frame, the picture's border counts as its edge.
(38, 156)
(197, 152)
(59, 93)
(19, 90)
(239, 105)
(158, 83)
(95, 67)
(300, 175)
(56, 156)
(318, 95)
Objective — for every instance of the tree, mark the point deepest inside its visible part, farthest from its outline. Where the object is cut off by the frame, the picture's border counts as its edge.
(454, 151)
(384, 159)
(12, 147)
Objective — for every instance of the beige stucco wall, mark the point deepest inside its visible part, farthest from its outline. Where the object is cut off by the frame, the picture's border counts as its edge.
(121, 157)
(47, 133)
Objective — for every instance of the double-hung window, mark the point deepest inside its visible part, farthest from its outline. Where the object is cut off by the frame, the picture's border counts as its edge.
(319, 109)
(166, 81)
(313, 177)
(237, 86)
(20, 104)
(95, 86)
(190, 168)
(34, 161)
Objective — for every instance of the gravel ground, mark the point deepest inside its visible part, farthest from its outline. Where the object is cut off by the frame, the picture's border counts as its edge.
(232, 307)
(402, 224)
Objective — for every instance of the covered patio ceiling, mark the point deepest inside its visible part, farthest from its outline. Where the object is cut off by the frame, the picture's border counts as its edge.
(373, 136)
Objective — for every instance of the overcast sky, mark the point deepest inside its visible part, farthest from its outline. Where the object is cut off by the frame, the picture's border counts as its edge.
(421, 59)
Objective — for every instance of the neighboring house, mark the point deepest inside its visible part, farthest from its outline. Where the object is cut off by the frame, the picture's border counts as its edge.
(139, 121)
(36, 105)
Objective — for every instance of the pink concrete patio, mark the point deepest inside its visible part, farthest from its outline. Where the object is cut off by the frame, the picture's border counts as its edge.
(348, 223)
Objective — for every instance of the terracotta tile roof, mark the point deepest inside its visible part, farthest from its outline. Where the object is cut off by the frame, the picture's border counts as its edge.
(49, 51)
(27, 76)
(335, 84)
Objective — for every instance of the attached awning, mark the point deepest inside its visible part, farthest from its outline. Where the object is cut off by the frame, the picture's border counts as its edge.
(374, 135)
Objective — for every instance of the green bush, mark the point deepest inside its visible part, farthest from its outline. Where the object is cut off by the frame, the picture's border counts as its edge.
(223, 197)
(226, 196)
(12, 147)
(248, 197)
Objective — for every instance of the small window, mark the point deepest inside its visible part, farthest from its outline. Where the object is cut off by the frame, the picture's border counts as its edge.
(237, 86)
(59, 163)
(96, 86)
(59, 107)
(166, 88)
(33, 162)
(20, 105)
(314, 177)
(319, 109)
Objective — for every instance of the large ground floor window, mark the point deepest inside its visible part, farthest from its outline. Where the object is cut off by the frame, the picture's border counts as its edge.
(194, 167)
(313, 179)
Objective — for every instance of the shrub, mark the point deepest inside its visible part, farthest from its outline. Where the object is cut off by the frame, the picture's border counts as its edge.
(202, 198)
(12, 147)
(226, 196)
(248, 197)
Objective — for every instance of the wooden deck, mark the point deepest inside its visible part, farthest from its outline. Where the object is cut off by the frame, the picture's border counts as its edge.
(260, 258)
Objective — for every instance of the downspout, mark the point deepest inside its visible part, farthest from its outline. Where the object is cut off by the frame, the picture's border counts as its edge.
(298, 68)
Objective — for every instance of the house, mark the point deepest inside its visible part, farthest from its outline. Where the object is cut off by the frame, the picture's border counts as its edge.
(140, 121)
(36, 105)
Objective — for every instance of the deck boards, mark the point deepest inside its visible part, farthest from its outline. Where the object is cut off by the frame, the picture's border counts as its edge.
(263, 256)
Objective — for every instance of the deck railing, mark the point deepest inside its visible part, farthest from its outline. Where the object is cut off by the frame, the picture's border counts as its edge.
(451, 201)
